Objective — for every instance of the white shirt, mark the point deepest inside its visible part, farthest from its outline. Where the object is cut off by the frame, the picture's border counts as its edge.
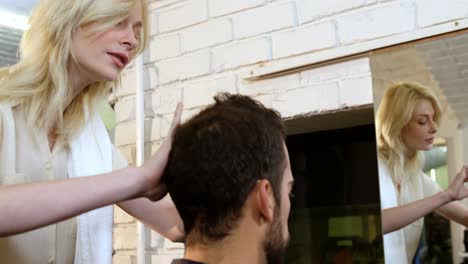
(400, 246)
(33, 163)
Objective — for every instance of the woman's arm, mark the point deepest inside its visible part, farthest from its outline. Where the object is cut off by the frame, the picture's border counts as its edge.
(161, 216)
(401, 216)
(24, 207)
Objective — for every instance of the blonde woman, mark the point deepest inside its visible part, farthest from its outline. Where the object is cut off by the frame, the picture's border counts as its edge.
(407, 121)
(51, 136)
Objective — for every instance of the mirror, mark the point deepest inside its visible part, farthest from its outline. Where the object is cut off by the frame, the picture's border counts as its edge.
(441, 65)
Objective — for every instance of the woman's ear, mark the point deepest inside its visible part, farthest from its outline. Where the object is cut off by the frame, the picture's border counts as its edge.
(265, 200)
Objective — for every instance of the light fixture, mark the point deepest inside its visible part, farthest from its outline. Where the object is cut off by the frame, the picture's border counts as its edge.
(12, 20)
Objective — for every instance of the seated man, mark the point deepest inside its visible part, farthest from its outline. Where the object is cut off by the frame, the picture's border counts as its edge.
(230, 179)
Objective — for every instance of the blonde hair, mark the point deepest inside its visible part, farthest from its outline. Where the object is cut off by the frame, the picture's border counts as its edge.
(40, 82)
(394, 113)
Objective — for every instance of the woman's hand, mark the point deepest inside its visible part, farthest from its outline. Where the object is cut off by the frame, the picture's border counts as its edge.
(152, 170)
(457, 190)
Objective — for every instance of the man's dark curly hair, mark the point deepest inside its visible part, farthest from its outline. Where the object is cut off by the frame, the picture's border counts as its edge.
(217, 158)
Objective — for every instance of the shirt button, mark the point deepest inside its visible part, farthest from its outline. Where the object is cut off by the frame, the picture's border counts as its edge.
(48, 165)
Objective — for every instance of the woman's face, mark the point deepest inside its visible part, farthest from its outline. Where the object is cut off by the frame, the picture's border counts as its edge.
(102, 57)
(420, 131)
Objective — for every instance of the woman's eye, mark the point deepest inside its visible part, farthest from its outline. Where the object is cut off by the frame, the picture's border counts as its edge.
(291, 195)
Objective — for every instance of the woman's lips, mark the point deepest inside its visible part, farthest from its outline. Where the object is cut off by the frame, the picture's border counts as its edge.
(119, 59)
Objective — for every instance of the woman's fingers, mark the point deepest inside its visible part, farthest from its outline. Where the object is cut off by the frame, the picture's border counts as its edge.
(464, 173)
(176, 119)
(166, 144)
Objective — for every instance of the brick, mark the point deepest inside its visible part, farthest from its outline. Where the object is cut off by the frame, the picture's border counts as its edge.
(154, 147)
(431, 12)
(241, 53)
(201, 93)
(125, 237)
(124, 259)
(264, 19)
(169, 245)
(265, 99)
(157, 241)
(165, 99)
(121, 217)
(314, 98)
(223, 7)
(159, 4)
(270, 85)
(164, 46)
(153, 23)
(207, 34)
(336, 72)
(304, 39)
(181, 68)
(128, 83)
(153, 77)
(374, 23)
(154, 129)
(356, 91)
(312, 10)
(125, 108)
(182, 15)
(125, 133)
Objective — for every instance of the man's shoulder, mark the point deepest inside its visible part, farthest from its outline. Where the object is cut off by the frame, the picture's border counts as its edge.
(185, 261)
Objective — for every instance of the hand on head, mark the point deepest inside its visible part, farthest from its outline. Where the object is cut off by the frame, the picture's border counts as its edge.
(152, 170)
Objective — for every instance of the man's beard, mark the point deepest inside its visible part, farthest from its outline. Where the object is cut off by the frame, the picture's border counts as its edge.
(275, 246)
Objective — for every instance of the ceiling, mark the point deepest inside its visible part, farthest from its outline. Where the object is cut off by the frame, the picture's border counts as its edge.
(447, 59)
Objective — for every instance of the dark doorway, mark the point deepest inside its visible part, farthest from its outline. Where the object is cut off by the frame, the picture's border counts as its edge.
(335, 212)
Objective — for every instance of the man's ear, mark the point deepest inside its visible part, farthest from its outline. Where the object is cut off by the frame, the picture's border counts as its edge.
(265, 199)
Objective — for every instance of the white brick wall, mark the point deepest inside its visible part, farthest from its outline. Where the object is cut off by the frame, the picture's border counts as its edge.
(181, 15)
(263, 19)
(271, 85)
(201, 93)
(201, 47)
(431, 12)
(209, 33)
(312, 10)
(164, 46)
(303, 39)
(314, 98)
(224, 7)
(181, 68)
(241, 53)
(372, 23)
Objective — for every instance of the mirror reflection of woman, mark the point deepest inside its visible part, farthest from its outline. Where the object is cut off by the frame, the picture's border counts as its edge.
(51, 135)
(407, 122)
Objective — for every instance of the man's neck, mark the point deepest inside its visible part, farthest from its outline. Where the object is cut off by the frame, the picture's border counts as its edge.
(239, 247)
